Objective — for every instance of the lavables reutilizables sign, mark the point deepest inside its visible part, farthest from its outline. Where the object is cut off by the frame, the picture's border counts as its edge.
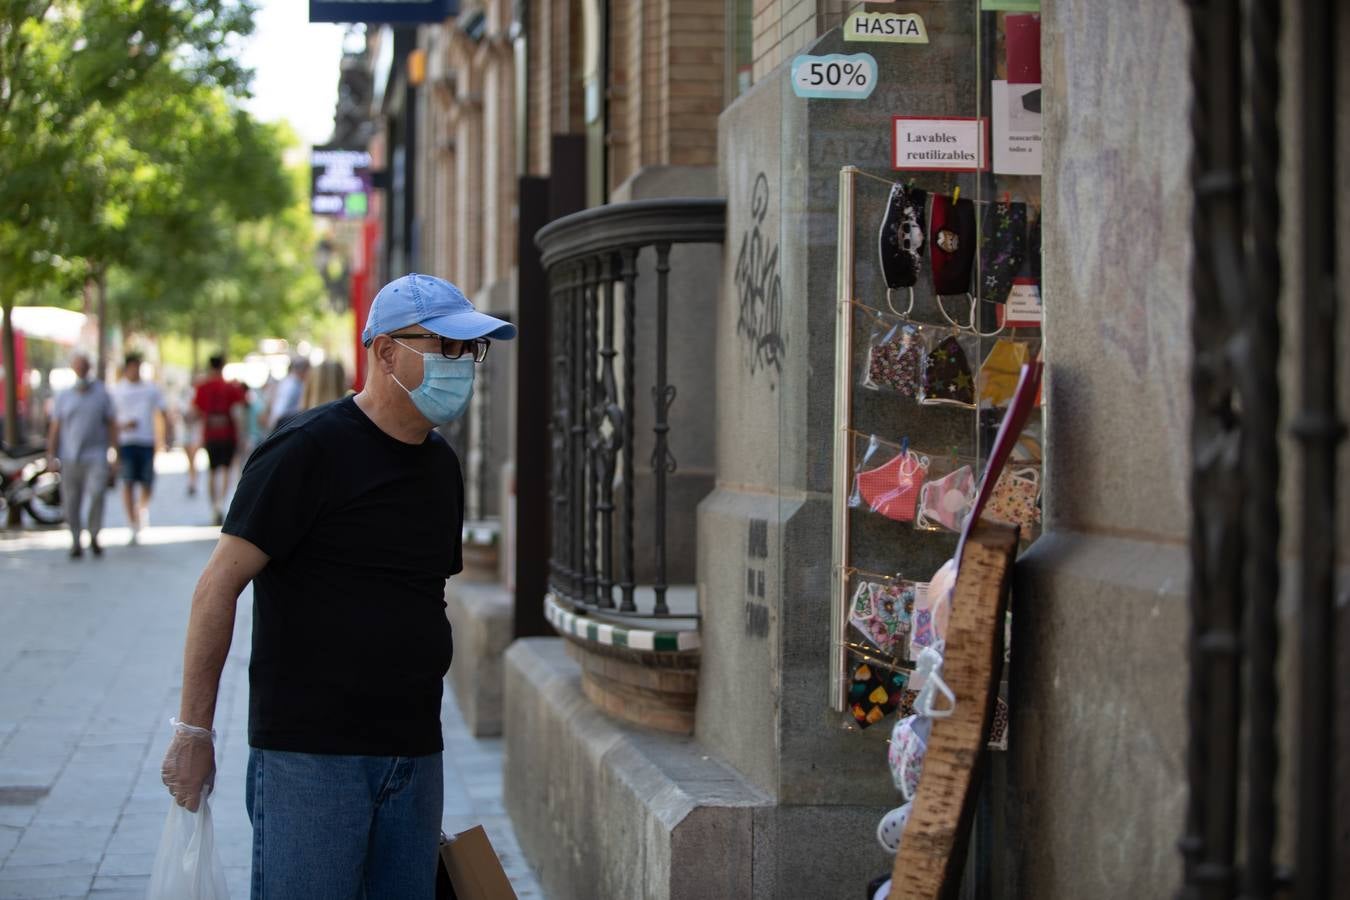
(940, 145)
(894, 28)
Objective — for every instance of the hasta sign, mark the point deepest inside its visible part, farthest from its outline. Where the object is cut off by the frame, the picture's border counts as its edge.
(894, 28)
(939, 145)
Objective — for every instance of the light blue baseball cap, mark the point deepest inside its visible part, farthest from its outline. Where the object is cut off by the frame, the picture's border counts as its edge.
(436, 305)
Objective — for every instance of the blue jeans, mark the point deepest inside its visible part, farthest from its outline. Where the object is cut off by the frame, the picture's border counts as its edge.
(344, 827)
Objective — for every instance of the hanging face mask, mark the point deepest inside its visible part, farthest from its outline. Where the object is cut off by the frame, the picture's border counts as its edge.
(1015, 498)
(1000, 371)
(1034, 247)
(447, 385)
(892, 489)
(895, 360)
(947, 376)
(902, 236)
(952, 232)
(882, 611)
(874, 694)
(1003, 249)
(946, 502)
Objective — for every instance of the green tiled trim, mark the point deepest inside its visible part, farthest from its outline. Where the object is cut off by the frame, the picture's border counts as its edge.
(587, 629)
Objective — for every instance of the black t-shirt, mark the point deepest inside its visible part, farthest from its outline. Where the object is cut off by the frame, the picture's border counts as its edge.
(350, 639)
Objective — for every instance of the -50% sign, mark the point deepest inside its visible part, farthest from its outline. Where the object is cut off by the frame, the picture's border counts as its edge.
(834, 77)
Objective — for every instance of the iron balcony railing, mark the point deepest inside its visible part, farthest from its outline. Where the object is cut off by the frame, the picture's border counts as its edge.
(592, 259)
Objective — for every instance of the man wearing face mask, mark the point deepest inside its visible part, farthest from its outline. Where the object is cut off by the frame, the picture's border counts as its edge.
(347, 520)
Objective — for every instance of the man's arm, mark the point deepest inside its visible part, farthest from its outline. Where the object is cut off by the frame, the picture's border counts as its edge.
(211, 625)
(53, 436)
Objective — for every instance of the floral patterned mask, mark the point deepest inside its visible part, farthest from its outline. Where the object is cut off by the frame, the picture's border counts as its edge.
(1014, 500)
(883, 611)
(896, 361)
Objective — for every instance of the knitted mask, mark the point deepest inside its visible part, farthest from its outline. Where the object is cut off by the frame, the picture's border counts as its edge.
(901, 237)
(952, 235)
(946, 375)
(892, 489)
(1003, 249)
(1000, 371)
(947, 501)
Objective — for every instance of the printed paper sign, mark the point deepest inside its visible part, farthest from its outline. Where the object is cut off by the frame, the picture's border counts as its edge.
(1017, 128)
(939, 145)
(1023, 309)
(895, 28)
(834, 77)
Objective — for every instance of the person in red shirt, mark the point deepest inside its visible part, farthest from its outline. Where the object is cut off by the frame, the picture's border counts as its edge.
(218, 402)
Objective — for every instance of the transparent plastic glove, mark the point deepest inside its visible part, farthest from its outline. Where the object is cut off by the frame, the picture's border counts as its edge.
(189, 767)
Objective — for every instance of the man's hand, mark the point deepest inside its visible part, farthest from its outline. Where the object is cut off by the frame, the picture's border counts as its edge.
(189, 768)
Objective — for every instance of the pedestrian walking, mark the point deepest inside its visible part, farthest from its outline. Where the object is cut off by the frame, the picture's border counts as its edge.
(286, 402)
(347, 521)
(137, 402)
(81, 435)
(218, 402)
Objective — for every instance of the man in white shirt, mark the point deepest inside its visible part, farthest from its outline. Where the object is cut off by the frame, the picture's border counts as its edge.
(290, 393)
(137, 401)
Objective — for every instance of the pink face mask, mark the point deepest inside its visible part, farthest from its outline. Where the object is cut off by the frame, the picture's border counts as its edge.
(946, 502)
(892, 489)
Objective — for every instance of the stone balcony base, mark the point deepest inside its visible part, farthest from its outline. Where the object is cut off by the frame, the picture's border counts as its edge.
(606, 809)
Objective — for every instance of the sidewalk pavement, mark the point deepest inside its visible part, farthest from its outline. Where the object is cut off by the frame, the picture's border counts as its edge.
(90, 672)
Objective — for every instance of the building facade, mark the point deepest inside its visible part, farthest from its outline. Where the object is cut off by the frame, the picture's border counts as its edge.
(675, 728)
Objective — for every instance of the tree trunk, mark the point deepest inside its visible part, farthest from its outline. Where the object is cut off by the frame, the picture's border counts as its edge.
(101, 299)
(11, 354)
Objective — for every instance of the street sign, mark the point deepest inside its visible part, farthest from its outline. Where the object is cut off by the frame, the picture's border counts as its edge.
(382, 11)
(339, 182)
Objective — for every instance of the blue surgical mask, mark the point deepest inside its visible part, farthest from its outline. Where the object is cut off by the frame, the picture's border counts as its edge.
(447, 385)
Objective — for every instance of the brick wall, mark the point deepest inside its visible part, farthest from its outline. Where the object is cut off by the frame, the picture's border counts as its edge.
(783, 27)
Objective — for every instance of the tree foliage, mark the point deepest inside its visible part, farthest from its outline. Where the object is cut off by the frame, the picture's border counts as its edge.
(125, 155)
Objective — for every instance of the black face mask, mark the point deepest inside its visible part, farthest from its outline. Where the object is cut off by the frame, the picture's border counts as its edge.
(902, 236)
(952, 235)
(1003, 249)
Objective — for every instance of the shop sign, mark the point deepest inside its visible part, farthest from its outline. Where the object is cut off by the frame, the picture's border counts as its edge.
(339, 182)
(894, 28)
(391, 11)
(1017, 128)
(940, 145)
(834, 77)
(1023, 309)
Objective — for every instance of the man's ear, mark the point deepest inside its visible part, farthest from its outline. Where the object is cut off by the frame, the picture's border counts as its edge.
(383, 349)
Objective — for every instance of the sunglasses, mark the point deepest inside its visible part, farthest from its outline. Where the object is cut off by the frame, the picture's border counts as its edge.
(451, 348)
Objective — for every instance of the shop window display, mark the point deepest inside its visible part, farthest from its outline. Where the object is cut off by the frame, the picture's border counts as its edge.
(939, 314)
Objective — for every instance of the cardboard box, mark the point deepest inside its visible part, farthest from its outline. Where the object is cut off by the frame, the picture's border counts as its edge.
(474, 869)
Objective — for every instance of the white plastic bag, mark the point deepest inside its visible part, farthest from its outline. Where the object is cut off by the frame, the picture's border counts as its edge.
(187, 867)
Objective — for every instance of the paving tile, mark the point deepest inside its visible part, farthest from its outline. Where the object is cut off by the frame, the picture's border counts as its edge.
(47, 888)
(127, 864)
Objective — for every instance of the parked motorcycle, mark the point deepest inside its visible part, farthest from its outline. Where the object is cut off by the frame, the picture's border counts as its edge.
(28, 485)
